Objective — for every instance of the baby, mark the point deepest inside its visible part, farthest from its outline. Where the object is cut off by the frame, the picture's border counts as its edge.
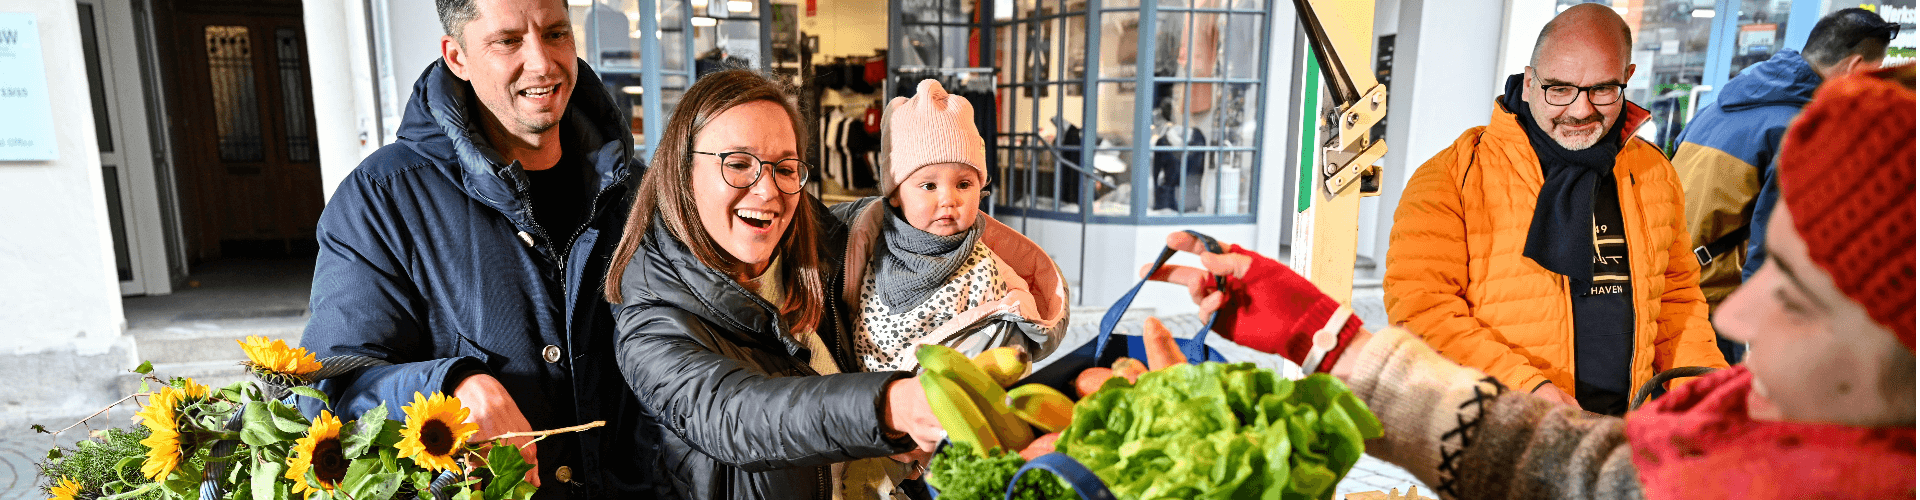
(926, 266)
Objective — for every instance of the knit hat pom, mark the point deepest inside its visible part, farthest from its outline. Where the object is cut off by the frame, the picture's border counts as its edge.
(931, 128)
(1847, 174)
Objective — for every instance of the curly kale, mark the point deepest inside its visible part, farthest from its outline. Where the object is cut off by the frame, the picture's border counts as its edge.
(957, 472)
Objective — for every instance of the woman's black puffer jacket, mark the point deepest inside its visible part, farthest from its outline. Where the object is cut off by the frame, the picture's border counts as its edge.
(735, 409)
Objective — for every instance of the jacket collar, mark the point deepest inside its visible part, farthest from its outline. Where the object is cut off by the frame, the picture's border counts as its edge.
(1504, 128)
(1698, 443)
(666, 272)
(442, 124)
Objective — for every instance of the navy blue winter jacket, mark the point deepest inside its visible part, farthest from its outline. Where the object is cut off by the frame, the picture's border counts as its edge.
(430, 259)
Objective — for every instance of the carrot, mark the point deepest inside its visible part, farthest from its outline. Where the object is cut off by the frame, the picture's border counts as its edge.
(1091, 379)
(1130, 368)
(1040, 446)
(1162, 351)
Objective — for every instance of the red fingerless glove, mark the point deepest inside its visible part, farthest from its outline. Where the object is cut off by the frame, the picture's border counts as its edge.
(1273, 309)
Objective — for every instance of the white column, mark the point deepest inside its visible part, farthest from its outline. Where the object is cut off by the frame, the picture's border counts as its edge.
(345, 116)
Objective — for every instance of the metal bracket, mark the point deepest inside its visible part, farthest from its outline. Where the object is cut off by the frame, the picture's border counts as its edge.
(1358, 118)
(1350, 156)
(1343, 168)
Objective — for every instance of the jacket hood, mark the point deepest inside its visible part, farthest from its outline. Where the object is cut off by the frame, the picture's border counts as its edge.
(1786, 79)
(441, 124)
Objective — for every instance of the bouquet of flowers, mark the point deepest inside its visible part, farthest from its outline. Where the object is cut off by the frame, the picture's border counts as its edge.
(244, 441)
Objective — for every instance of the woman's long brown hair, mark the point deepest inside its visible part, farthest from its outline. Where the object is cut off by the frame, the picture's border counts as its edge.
(666, 191)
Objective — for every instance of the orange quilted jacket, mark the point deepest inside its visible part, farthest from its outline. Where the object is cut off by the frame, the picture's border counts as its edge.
(1456, 276)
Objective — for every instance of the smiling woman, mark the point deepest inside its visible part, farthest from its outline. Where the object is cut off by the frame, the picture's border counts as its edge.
(725, 332)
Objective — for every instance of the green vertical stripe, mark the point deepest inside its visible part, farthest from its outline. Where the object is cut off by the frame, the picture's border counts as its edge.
(1309, 133)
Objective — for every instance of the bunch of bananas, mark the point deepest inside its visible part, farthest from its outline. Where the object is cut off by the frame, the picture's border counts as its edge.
(972, 400)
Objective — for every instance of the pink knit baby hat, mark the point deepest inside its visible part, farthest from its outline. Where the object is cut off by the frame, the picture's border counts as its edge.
(930, 128)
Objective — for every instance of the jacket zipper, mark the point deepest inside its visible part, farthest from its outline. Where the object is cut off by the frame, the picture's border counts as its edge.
(1573, 338)
(1633, 273)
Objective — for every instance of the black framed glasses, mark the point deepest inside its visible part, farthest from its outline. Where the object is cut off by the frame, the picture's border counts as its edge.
(742, 169)
(1599, 95)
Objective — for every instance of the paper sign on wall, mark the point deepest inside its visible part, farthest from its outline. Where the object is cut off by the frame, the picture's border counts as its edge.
(26, 132)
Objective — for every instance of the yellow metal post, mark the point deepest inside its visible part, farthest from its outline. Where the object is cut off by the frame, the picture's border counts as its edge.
(1344, 106)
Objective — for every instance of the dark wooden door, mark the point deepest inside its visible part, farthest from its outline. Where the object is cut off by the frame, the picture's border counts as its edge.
(242, 120)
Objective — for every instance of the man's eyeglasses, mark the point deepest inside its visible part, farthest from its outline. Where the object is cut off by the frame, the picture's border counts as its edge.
(742, 169)
(1598, 95)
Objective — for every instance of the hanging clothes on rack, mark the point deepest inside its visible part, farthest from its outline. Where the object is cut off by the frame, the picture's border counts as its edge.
(973, 84)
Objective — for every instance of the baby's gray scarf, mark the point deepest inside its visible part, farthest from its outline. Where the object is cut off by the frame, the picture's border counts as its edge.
(915, 263)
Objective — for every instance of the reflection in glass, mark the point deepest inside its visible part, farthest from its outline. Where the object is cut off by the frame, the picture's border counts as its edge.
(1170, 44)
(1239, 54)
(1119, 44)
(236, 108)
(1115, 108)
(1115, 166)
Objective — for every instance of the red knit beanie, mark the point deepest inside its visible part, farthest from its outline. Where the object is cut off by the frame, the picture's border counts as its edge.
(1847, 174)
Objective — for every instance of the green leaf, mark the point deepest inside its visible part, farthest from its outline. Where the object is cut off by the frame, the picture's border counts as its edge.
(54, 454)
(288, 419)
(382, 485)
(41, 429)
(361, 437)
(509, 470)
(265, 475)
(145, 368)
(257, 427)
(145, 385)
(312, 393)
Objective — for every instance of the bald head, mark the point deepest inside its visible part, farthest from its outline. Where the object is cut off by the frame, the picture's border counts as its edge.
(1584, 25)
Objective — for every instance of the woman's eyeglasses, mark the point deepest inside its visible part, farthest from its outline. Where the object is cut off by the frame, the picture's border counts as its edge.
(742, 169)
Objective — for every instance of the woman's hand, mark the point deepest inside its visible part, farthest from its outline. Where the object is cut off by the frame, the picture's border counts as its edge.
(909, 413)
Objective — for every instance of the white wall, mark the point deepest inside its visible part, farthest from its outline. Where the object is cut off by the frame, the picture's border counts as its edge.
(60, 315)
(56, 254)
(847, 27)
(1524, 18)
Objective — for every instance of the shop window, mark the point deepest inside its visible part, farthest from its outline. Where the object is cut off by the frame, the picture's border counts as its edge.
(1151, 115)
(661, 46)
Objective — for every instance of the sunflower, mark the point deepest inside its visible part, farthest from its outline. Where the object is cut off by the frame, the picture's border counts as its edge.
(320, 451)
(275, 360)
(162, 416)
(435, 429)
(68, 489)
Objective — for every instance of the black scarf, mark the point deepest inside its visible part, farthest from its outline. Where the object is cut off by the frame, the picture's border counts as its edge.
(1561, 237)
(915, 263)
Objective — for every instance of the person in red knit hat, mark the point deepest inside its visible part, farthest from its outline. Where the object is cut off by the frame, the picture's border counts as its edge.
(1823, 407)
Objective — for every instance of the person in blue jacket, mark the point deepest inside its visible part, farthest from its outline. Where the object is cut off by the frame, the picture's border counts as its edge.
(1726, 155)
(468, 254)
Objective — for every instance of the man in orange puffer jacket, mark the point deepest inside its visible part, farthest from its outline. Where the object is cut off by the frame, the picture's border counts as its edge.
(1549, 248)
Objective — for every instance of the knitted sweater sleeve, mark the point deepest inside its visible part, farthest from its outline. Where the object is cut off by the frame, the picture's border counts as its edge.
(1461, 432)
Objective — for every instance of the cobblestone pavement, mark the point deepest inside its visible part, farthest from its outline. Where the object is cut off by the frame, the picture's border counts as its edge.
(21, 448)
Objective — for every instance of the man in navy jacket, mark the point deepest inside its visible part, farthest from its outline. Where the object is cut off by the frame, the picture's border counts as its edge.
(468, 253)
(1726, 155)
